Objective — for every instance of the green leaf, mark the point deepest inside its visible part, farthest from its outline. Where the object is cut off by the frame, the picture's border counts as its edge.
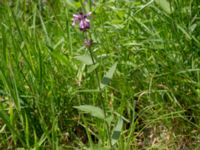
(108, 76)
(92, 68)
(94, 111)
(187, 35)
(98, 147)
(109, 119)
(86, 59)
(6, 120)
(42, 139)
(117, 131)
(164, 4)
(2, 129)
(60, 57)
(71, 4)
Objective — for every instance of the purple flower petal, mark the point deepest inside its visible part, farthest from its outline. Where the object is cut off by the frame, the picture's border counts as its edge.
(80, 18)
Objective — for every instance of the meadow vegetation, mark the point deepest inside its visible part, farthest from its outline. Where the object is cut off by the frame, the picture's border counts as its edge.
(135, 85)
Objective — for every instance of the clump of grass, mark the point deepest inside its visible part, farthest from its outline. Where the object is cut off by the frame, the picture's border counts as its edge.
(152, 101)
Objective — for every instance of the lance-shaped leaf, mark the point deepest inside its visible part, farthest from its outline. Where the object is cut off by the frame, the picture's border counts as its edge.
(117, 131)
(93, 110)
(164, 4)
(108, 76)
(92, 68)
(86, 59)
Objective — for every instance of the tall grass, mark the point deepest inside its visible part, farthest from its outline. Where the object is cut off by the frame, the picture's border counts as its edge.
(53, 97)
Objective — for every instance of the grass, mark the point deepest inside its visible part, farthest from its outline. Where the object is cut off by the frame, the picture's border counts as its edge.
(137, 87)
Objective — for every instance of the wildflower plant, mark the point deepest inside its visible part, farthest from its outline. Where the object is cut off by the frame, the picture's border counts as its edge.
(156, 88)
(83, 21)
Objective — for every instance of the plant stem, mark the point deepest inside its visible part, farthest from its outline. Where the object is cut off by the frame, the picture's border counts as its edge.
(102, 102)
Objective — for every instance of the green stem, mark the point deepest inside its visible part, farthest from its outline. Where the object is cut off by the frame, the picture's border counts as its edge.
(88, 36)
(102, 102)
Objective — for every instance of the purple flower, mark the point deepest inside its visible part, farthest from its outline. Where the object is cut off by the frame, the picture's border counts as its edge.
(83, 21)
